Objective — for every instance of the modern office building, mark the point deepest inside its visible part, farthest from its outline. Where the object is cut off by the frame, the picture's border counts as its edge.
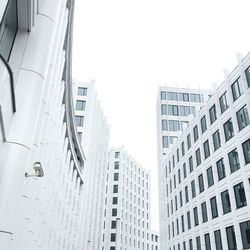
(37, 129)
(127, 204)
(154, 241)
(93, 133)
(205, 193)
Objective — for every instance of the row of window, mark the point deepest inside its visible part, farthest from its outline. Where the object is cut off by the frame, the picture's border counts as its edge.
(231, 239)
(234, 165)
(174, 125)
(243, 121)
(184, 97)
(177, 110)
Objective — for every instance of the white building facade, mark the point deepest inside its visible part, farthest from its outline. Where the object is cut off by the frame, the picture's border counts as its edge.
(93, 133)
(127, 204)
(37, 127)
(205, 192)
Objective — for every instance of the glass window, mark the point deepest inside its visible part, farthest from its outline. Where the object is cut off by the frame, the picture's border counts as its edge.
(116, 176)
(223, 103)
(212, 113)
(164, 109)
(246, 150)
(198, 157)
(245, 234)
(117, 155)
(163, 95)
(116, 165)
(8, 29)
(172, 96)
(183, 97)
(196, 218)
(247, 71)
(115, 200)
(240, 197)
(184, 245)
(173, 125)
(237, 89)
(186, 194)
(165, 141)
(193, 189)
(188, 220)
(201, 183)
(112, 237)
(79, 120)
(242, 118)
(221, 169)
(173, 110)
(82, 91)
(182, 223)
(164, 125)
(179, 176)
(206, 149)
(181, 202)
(191, 165)
(233, 159)
(218, 241)
(198, 243)
(195, 98)
(226, 204)
(114, 212)
(216, 140)
(203, 124)
(210, 177)
(189, 141)
(80, 105)
(172, 139)
(190, 244)
(207, 242)
(184, 110)
(204, 211)
(231, 240)
(113, 224)
(115, 188)
(184, 171)
(196, 134)
(182, 149)
(228, 129)
(214, 209)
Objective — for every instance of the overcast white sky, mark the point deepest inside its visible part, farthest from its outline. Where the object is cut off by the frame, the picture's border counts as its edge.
(130, 47)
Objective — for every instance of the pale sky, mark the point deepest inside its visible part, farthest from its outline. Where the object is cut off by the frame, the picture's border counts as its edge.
(131, 47)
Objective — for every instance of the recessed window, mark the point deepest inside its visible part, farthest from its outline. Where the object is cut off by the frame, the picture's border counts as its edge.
(116, 164)
(79, 120)
(218, 241)
(184, 171)
(203, 124)
(164, 125)
(189, 141)
(178, 155)
(210, 177)
(223, 103)
(191, 164)
(186, 194)
(188, 220)
(245, 234)
(240, 196)
(113, 237)
(198, 157)
(181, 201)
(196, 134)
(182, 223)
(173, 125)
(114, 212)
(246, 150)
(190, 244)
(179, 176)
(113, 224)
(173, 110)
(165, 141)
(80, 105)
(231, 240)
(182, 149)
(207, 242)
(184, 110)
(242, 118)
(116, 176)
(195, 98)
(115, 188)
(221, 169)
(204, 211)
(196, 218)
(216, 140)
(201, 183)
(247, 71)
(172, 96)
(226, 204)
(237, 89)
(115, 201)
(198, 242)
(212, 113)
(163, 95)
(214, 209)
(117, 155)
(193, 189)
(233, 160)
(206, 149)
(82, 91)
(164, 109)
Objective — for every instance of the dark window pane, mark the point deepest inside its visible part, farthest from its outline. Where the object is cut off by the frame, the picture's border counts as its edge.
(198, 157)
(116, 176)
(233, 159)
(164, 125)
(237, 89)
(193, 189)
(190, 244)
(113, 224)
(221, 169)
(196, 218)
(182, 149)
(172, 96)
(189, 141)
(206, 149)
(196, 134)
(240, 197)
(246, 150)
(247, 71)
(173, 110)
(188, 220)
(113, 237)
(225, 199)
(191, 165)
(201, 183)
(115, 188)
(242, 118)
(184, 171)
(218, 242)
(163, 95)
(203, 124)
(223, 103)
(214, 209)
(207, 242)
(245, 234)
(228, 129)
(164, 109)
(210, 178)
(186, 194)
(231, 240)
(165, 141)
(216, 140)
(204, 212)
(198, 243)
(212, 113)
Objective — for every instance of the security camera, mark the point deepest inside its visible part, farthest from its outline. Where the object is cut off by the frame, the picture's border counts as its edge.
(37, 170)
